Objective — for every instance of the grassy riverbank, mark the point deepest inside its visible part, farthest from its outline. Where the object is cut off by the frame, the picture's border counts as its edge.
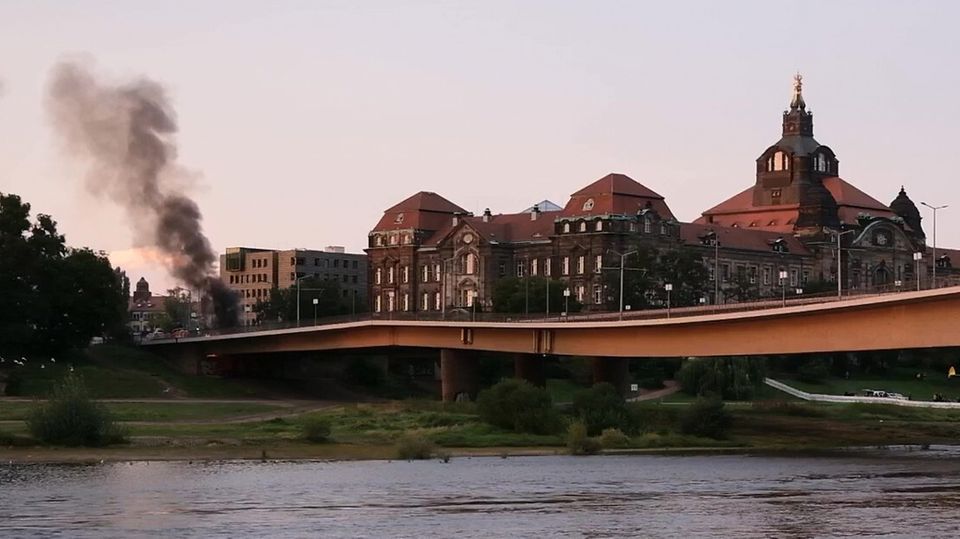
(192, 431)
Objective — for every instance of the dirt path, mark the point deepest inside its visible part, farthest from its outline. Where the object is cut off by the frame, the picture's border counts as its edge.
(671, 387)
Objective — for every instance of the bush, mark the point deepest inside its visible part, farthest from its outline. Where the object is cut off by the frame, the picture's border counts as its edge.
(733, 378)
(316, 429)
(70, 417)
(706, 417)
(601, 407)
(518, 406)
(578, 442)
(611, 438)
(415, 447)
(814, 371)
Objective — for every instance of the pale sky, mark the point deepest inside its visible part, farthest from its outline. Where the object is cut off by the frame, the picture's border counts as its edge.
(307, 119)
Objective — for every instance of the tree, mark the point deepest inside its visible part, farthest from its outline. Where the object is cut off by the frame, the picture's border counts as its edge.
(742, 289)
(685, 270)
(282, 303)
(177, 307)
(55, 298)
(517, 294)
(639, 278)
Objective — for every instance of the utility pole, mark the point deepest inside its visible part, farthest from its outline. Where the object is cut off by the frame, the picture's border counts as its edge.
(623, 257)
(839, 234)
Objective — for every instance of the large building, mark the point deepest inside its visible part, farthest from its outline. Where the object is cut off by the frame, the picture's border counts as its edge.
(253, 273)
(427, 253)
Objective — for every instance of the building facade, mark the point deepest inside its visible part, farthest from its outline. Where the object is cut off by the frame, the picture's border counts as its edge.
(253, 273)
(428, 254)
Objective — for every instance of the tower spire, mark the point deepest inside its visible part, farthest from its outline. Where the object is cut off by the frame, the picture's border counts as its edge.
(797, 103)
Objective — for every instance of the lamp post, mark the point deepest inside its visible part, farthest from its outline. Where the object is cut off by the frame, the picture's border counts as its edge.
(298, 279)
(712, 237)
(566, 301)
(315, 302)
(783, 285)
(917, 257)
(669, 288)
(443, 289)
(548, 298)
(526, 286)
(623, 257)
(839, 234)
(935, 208)
(473, 304)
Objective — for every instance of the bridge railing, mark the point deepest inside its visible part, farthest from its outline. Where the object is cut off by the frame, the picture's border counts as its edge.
(467, 315)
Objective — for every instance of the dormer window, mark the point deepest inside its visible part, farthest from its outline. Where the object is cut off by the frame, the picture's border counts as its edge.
(777, 162)
(583, 226)
(566, 228)
(378, 240)
(588, 205)
(598, 226)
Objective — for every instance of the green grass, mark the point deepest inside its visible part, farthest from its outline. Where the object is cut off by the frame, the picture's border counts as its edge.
(899, 382)
(562, 390)
(164, 411)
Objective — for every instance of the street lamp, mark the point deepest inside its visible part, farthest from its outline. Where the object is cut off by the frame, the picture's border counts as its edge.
(443, 288)
(839, 234)
(315, 303)
(623, 257)
(473, 304)
(669, 288)
(300, 278)
(935, 208)
(712, 237)
(917, 257)
(783, 285)
(566, 301)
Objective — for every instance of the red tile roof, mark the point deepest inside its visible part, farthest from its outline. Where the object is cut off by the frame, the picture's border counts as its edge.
(502, 228)
(424, 210)
(615, 194)
(739, 210)
(740, 238)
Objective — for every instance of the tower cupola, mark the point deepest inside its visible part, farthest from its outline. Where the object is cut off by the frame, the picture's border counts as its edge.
(797, 120)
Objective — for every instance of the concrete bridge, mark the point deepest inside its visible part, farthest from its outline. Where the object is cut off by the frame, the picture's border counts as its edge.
(923, 319)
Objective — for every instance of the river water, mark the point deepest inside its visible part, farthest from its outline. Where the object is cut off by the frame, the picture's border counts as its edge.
(888, 493)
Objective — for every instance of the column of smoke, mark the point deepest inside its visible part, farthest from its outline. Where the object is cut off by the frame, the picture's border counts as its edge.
(126, 134)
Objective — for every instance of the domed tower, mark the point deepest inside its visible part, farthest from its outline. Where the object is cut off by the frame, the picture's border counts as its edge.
(142, 293)
(906, 209)
(791, 172)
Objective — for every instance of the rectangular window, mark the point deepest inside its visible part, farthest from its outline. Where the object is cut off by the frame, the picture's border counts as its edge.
(598, 263)
(597, 294)
(425, 302)
(766, 275)
(436, 272)
(806, 277)
(533, 267)
(565, 266)
(753, 275)
(354, 264)
(633, 226)
(520, 268)
(406, 302)
(336, 262)
(379, 276)
(502, 270)
(436, 301)
(580, 264)
(726, 272)
(547, 269)
(580, 291)
(793, 277)
(406, 274)
(647, 225)
(376, 304)
(390, 301)
(389, 274)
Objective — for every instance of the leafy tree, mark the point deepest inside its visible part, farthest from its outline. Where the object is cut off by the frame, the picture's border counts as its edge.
(649, 269)
(733, 378)
(519, 406)
(684, 269)
(742, 289)
(282, 303)
(512, 294)
(640, 272)
(601, 407)
(706, 417)
(55, 298)
(177, 307)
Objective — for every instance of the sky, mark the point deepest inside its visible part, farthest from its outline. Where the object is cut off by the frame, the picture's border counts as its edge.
(303, 121)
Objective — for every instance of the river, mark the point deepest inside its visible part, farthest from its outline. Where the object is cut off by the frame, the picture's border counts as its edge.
(883, 493)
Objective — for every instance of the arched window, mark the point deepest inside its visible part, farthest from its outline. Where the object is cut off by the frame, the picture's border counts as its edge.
(779, 161)
(566, 227)
(470, 263)
(583, 226)
(820, 163)
(598, 226)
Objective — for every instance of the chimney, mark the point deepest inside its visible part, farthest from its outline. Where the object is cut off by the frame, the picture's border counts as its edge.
(486, 215)
(456, 218)
(535, 212)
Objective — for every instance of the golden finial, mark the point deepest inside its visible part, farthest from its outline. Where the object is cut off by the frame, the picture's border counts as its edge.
(797, 101)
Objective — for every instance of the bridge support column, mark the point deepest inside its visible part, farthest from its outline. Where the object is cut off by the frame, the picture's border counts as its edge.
(458, 374)
(612, 370)
(529, 367)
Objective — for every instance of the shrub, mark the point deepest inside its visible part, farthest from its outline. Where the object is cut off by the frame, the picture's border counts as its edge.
(601, 407)
(611, 438)
(814, 371)
(518, 406)
(70, 417)
(734, 378)
(316, 429)
(415, 447)
(579, 442)
(706, 417)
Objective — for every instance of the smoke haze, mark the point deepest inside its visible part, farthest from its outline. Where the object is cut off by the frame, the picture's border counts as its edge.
(126, 135)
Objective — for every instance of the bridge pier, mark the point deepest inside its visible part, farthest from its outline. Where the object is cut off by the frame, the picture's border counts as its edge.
(612, 370)
(530, 367)
(458, 374)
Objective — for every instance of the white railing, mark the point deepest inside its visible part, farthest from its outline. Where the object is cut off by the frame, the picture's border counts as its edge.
(818, 397)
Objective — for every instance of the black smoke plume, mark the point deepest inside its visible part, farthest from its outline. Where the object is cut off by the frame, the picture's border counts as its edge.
(126, 133)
